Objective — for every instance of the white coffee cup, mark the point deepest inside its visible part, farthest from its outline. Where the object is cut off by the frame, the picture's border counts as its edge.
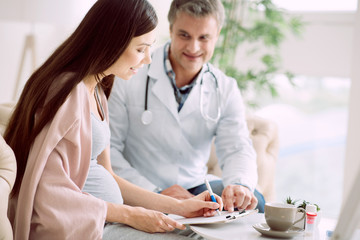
(281, 216)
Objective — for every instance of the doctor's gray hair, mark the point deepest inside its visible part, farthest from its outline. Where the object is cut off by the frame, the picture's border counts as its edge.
(197, 8)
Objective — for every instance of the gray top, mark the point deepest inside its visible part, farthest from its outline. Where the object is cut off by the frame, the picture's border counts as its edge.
(100, 183)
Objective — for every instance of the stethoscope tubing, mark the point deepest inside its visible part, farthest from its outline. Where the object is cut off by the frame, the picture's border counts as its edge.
(146, 116)
(207, 117)
(146, 92)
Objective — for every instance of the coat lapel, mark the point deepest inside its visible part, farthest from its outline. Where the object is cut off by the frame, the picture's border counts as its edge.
(160, 84)
(192, 102)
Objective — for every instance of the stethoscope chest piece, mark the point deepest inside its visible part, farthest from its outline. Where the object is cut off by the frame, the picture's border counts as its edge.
(146, 117)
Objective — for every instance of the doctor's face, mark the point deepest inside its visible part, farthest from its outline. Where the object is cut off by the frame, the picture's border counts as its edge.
(134, 57)
(192, 42)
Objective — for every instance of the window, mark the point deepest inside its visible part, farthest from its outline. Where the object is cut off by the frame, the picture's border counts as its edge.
(317, 5)
(312, 121)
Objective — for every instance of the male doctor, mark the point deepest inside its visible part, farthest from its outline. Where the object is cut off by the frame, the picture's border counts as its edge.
(163, 120)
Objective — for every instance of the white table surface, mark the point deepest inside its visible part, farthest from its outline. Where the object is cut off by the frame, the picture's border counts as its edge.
(242, 229)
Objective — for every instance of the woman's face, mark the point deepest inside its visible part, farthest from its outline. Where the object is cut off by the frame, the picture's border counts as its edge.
(134, 57)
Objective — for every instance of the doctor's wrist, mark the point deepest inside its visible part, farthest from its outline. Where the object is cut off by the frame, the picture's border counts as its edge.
(251, 190)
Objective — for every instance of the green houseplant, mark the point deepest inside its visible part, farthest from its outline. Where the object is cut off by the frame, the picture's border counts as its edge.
(257, 28)
(303, 204)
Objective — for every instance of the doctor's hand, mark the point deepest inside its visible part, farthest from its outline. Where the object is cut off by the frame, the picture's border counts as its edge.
(178, 192)
(200, 205)
(238, 196)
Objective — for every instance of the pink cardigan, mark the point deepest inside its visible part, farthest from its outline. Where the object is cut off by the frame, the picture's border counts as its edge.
(51, 204)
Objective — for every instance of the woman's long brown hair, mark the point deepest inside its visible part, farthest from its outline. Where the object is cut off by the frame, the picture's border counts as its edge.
(99, 40)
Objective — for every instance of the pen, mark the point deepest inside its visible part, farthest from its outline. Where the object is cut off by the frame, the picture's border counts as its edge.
(211, 194)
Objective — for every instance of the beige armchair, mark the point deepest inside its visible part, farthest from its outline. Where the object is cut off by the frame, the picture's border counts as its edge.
(5, 112)
(7, 175)
(264, 135)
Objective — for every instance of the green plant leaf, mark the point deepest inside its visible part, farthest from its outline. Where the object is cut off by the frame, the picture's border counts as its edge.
(254, 22)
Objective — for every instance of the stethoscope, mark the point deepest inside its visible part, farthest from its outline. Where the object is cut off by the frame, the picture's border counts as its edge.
(147, 116)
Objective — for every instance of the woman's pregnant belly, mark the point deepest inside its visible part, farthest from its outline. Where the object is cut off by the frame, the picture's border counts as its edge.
(101, 184)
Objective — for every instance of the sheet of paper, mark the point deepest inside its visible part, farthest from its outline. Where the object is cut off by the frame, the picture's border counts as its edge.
(223, 218)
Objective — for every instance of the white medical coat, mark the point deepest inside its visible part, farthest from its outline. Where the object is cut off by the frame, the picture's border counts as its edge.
(175, 147)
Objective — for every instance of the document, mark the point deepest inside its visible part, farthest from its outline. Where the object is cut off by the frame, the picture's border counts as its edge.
(225, 217)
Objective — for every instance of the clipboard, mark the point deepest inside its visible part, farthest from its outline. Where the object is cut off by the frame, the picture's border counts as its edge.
(225, 217)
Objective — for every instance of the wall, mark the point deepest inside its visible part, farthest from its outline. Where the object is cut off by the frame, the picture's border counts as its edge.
(47, 38)
(162, 8)
(350, 214)
(325, 47)
(12, 41)
(323, 50)
(352, 163)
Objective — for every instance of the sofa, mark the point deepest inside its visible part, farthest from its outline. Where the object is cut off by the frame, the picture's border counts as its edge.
(7, 175)
(264, 135)
(5, 112)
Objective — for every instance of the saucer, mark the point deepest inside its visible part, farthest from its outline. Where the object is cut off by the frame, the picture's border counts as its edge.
(264, 229)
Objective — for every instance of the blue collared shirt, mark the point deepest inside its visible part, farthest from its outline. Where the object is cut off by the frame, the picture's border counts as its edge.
(181, 93)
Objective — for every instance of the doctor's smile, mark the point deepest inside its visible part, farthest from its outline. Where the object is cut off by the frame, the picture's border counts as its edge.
(192, 57)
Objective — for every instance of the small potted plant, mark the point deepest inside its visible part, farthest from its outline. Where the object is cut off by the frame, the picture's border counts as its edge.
(303, 204)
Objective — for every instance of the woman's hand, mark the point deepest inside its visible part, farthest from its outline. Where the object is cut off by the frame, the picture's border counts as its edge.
(200, 205)
(150, 221)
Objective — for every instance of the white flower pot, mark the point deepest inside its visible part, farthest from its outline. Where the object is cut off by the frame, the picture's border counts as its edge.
(318, 218)
(302, 223)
